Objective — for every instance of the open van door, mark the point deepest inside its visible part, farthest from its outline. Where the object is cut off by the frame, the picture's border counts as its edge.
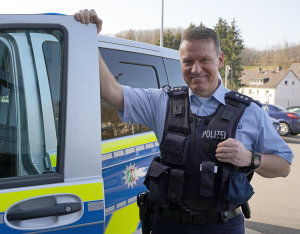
(50, 133)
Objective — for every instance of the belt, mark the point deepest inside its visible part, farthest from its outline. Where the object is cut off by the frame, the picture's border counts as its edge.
(182, 216)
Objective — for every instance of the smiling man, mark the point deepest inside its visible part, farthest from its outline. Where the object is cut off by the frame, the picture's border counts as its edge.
(200, 62)
(199, 182)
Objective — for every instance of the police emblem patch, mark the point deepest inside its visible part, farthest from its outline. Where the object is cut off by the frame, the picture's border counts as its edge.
(131, 175)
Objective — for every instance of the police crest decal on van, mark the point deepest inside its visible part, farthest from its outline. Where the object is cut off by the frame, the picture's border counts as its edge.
(131, 175)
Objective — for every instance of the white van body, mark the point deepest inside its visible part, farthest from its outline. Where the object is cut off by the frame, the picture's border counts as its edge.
(67, 163)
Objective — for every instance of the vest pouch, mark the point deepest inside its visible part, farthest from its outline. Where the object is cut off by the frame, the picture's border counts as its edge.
(157, 180)
(206, 190)
(239, 189)
(173, 148)
(207, 184)
(176, 185)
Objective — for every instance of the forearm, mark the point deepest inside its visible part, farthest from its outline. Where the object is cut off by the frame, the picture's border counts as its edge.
(234, 152)
(110, 89)
(273, 166)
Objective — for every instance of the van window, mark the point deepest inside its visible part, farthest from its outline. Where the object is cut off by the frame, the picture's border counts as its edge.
(136, 75)
(135, 70)
(27, 143)
(174, 72)
(53, 59)
(8, 115)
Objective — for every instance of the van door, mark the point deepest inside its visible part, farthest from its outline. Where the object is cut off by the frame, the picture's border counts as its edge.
(50, 133)
(127, 148)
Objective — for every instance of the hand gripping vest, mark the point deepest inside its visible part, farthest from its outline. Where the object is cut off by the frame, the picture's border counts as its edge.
(188, 175)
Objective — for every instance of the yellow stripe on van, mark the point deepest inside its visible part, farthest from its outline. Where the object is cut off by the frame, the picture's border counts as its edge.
(128, 142)
(125, 220)
(87, 192)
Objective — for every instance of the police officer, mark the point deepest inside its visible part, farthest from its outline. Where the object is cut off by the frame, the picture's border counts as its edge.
(210, 138)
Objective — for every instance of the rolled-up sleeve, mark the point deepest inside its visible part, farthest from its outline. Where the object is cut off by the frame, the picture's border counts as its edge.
(270, 142)
(257, 133)
(145, 106)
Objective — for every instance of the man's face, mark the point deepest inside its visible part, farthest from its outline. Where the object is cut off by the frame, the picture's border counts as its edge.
(200, 64)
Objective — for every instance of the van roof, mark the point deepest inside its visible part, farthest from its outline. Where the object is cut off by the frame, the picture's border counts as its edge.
(135, 46)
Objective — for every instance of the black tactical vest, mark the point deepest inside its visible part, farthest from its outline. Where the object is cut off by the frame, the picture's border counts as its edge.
(188, 175)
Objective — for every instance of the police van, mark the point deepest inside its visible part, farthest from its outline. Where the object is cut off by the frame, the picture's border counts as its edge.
(68, 164)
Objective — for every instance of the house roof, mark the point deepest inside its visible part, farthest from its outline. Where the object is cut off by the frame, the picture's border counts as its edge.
(296, 69)
(272, 82)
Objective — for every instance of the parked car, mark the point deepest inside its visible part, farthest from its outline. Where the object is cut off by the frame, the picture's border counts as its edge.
(289, 121)
(276, 124)
(295, 109)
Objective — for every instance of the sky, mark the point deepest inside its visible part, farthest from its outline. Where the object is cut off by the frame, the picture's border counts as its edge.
(263, 24)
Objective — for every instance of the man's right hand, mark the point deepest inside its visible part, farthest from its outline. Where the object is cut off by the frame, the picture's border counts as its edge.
(89, 16)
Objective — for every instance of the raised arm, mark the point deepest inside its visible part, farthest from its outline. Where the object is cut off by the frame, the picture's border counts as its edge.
(110, 89)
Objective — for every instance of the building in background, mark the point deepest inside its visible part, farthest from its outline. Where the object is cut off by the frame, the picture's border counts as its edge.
(280, 87)
(295, 67)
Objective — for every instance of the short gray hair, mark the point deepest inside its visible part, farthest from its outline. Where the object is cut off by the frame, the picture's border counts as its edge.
(201, 33)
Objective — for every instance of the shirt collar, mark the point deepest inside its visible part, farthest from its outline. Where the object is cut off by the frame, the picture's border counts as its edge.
(219, 94)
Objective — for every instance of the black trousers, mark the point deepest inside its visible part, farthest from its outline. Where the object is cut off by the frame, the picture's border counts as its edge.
(162, 225)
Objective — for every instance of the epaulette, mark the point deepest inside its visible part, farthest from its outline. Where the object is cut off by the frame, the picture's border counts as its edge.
(242, 98)
(257, 102)
(178, 91)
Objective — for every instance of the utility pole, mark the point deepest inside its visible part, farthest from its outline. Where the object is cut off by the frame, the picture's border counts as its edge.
(227, 69)
(162, 24)
(231, 75)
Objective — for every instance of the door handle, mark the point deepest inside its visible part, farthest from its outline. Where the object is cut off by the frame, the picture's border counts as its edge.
(55, 210)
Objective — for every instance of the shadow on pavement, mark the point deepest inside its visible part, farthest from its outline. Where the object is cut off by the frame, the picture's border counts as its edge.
(270, 229)
(292, 139)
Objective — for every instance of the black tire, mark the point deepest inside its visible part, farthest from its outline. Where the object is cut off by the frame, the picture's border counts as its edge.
(284, 129)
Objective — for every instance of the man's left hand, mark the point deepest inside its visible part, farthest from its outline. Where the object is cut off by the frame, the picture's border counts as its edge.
(234, 152)
(89, 16)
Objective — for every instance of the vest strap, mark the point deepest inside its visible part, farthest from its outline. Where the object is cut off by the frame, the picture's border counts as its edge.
(236, 104)
(178, 111)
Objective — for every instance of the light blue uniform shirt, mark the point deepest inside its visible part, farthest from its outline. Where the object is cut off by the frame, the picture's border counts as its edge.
(255, 129)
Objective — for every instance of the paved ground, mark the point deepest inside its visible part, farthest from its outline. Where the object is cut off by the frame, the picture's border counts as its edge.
(275, 206)
(251, 231)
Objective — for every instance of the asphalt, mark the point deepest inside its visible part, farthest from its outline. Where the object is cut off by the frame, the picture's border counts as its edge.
(250, 231)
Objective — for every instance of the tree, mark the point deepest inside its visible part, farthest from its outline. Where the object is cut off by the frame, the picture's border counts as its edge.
(280, 55)
(191, 26)
(171, 39)
(201, 24)
(232, 46)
